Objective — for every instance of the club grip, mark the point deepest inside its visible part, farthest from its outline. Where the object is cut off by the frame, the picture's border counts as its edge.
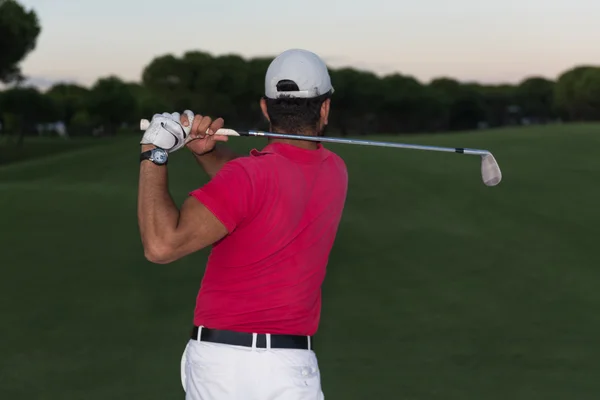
(226, 132)
(144, 124)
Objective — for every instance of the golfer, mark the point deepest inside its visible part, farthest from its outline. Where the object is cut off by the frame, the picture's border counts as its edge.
(271, 218)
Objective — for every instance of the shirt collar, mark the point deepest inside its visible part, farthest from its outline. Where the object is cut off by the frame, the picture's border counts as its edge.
(294, 153)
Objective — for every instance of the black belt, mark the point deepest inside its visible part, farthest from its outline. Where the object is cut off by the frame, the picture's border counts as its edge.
(245, 339)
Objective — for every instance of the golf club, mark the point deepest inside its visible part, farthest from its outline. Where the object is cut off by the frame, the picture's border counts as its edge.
(490, 171)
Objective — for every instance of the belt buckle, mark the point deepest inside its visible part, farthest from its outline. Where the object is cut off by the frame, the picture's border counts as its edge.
(262, 341)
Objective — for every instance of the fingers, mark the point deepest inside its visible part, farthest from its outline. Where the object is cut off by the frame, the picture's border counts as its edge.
(203, 126)
(195, 123)
(198, 126)
(208, 127)
(184, 120)
(216, 125)
(187, 118)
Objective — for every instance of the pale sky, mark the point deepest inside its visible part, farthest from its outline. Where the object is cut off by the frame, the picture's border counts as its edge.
(482, 40)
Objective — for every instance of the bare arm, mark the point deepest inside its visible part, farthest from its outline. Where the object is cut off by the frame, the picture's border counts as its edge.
(204, 143)
(214, 160)
(167, 233)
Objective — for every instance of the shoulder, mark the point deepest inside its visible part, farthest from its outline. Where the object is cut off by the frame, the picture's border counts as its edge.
(336, 157)
(248, 168)
(248, 164)
(253, 163)
(337, 160)
(235, 173)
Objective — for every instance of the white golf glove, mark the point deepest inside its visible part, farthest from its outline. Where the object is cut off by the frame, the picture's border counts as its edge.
(165, 131)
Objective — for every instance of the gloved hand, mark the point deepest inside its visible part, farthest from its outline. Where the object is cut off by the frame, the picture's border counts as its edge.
(167, 132)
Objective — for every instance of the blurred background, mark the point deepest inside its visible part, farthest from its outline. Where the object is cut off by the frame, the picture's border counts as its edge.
(438, 287)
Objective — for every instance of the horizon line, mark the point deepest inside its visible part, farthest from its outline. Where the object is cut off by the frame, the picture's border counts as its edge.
(44, 83)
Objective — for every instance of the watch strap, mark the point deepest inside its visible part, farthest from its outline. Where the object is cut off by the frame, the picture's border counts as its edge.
(147, 155)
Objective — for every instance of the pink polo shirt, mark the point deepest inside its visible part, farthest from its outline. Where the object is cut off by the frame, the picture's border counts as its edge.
(282, 207)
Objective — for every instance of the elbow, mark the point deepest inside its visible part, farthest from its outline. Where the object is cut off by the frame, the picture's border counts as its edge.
(158, 254)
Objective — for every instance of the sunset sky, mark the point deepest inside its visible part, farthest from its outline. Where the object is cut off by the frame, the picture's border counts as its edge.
(483, 40)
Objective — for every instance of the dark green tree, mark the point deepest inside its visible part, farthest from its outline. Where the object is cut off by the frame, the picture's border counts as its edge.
(230, 87)
(19, 30)
(464, 104)
(357, 98)
(147, 102)
(70, 100)
(111, 103)
(535, 97)
(23, 108)
(587, 90)
(571, 97)
(171, 79)
(404, 104)
(499, 103)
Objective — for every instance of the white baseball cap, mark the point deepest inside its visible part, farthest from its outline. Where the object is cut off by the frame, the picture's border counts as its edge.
(304, 68)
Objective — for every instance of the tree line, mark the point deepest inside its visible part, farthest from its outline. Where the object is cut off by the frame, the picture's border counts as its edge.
(230, 86)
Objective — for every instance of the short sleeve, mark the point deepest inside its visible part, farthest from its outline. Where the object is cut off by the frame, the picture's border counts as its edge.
(228, 195)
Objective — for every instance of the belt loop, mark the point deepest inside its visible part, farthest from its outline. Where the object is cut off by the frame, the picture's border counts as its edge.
(309, 347)
(254, 336)
(199, 333)
(268, 338)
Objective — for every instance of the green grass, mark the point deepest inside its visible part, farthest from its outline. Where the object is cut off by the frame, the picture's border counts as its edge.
(39, 147)
(438, 286)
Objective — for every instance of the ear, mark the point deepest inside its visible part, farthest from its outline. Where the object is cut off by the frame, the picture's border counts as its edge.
(263, 107)
(325, 111)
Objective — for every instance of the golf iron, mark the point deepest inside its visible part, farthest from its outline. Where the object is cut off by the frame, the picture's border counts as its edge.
(490, 171)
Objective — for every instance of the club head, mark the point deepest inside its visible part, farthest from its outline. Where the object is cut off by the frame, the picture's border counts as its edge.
(490, 171)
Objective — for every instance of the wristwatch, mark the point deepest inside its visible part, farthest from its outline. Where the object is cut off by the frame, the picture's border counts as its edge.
(157, 156)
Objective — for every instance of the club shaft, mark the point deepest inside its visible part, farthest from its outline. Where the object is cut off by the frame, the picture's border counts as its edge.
(366, 142)
(145, 123)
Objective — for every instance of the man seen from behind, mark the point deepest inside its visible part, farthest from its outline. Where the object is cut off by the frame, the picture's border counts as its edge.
(271, 218)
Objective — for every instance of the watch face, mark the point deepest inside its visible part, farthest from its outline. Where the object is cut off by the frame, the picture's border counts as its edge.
(159, 156)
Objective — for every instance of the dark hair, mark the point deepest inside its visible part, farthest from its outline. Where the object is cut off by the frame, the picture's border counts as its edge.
(293, 115)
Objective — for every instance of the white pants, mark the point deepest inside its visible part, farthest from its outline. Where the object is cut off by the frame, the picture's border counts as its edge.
(212, 371)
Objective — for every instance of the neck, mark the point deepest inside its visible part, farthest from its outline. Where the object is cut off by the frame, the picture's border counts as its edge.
(304, 144)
